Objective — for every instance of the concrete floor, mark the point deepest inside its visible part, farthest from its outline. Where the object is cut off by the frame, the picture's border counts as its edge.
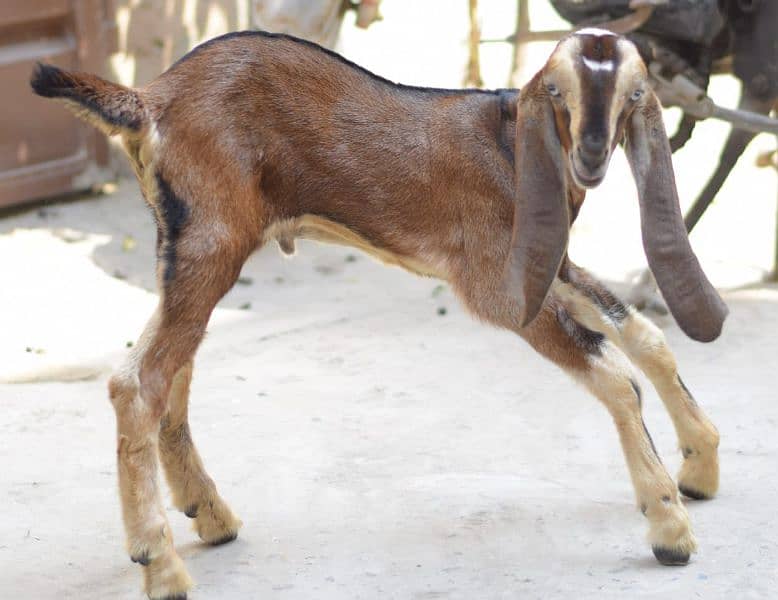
(373, 447)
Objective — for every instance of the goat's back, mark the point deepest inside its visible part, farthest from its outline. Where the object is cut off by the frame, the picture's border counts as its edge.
(307, 132)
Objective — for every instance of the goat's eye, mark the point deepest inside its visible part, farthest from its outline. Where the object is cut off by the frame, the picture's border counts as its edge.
(636, 95)
(553, 90)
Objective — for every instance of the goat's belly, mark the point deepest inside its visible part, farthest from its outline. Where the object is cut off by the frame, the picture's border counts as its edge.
(320, 229)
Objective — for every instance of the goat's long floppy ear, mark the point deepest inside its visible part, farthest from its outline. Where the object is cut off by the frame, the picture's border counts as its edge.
(693, 301)
(541, 219)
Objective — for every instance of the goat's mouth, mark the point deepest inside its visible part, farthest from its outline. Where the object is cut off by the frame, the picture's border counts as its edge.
(588, 178)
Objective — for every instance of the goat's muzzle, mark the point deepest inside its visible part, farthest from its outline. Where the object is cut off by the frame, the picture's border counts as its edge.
(589, 161)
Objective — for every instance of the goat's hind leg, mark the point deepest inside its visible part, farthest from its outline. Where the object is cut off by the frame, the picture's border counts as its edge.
(138, 415)
(644, 343)
(160, 366)
(194, 492)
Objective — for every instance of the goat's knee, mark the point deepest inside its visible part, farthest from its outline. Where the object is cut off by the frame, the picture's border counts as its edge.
(136, 417)
(645, 344)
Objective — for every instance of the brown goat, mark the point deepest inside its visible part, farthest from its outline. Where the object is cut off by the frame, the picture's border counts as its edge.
(255, 136)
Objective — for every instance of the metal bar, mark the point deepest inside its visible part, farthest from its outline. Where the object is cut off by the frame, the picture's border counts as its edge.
(746, 120)
(682, 92)
(740, 119)
(551, 35)
(621, 25)
(774, 274)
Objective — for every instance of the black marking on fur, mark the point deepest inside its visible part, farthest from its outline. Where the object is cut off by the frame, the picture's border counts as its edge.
(686, 390)
(283, 36)
(692, 493)
(142, 560)
(586, 339)
(286, 244)
(636, 387)
(687, 452)
(191, 511)
(643, 508)
(509, 99)
(601, 296)
(650, 439)
(669, 557)
(173, 214)
(506, 124)
(117, 106)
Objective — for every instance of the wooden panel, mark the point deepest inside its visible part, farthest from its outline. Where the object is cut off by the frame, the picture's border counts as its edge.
(34, 129)
(14, 12)
(42, 146)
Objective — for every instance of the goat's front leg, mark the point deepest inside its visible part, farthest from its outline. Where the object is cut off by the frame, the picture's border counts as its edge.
(698, 438)
(644, 343)
(607, 372)
(610, 378)
(194, 492)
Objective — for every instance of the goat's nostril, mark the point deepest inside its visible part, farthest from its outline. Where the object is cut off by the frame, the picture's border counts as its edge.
(593, 144)
(592, 149)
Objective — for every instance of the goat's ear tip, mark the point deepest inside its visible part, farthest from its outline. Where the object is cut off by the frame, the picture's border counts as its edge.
(708, 332)
(705, 336)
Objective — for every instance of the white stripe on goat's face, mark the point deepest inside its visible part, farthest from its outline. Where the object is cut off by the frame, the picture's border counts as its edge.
(593, 31)
(594, 79)
(606, 65)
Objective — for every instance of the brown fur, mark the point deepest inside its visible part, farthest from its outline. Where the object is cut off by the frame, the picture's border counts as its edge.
(257, 137)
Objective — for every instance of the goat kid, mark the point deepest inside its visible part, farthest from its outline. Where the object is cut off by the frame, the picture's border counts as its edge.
(255, 136)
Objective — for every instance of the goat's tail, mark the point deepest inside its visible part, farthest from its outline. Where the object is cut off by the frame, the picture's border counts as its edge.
(110, 107)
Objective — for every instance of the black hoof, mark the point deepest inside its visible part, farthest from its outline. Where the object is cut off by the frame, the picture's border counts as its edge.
(226, 539)
(693, 494)
(142, 560)
(176, 597)
(670, 558)
(191, 512)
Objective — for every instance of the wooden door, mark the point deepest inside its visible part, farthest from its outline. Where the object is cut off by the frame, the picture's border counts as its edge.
(44, 150)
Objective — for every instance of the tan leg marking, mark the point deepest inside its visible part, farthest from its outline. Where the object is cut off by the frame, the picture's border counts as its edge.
(194, 492)
(644, 344)
(698, 438)
(149, 539)
(611, 379)
(578, 346)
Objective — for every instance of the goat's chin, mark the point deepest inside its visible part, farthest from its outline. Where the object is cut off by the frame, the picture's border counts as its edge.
(584, 178)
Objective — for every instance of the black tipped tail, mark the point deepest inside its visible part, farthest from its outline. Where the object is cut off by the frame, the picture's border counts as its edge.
(109, 106)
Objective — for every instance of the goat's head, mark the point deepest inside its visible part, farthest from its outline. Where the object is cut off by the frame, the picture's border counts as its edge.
(593, 93)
